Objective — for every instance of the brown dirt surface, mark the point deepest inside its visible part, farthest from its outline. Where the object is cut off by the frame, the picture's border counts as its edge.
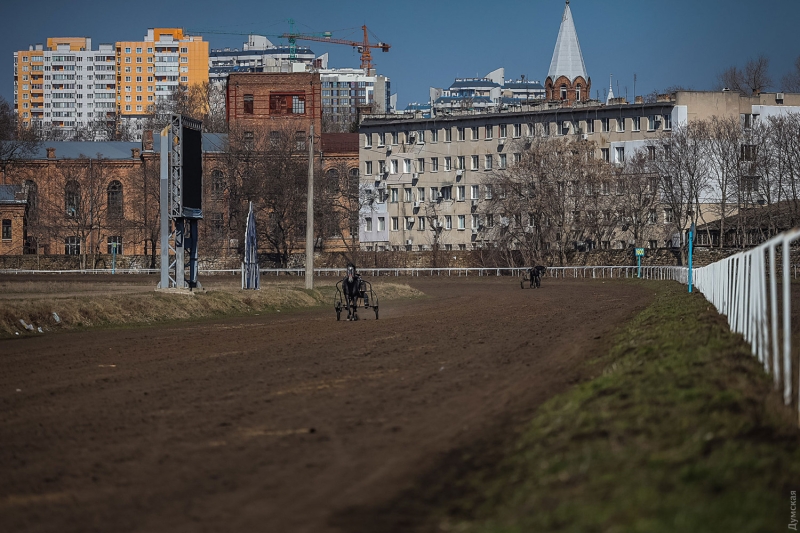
(285, 422)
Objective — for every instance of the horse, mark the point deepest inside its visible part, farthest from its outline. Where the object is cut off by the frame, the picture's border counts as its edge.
(351, 286)
(536, 274)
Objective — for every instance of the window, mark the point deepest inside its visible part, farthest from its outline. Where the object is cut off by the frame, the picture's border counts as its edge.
(604, 154)
(381, 139)
(434, 164)
(248, 104)
(368, 224)
(462, 222)
(434, 194)
(475, 133)
(474, 192)
(475, 221)
(395, 221)
(420, 194)
(446, 193)
(6, 229)
(517, 130)
(448, 163)
(114, 245)
(409, 223)
(434, 136)
(604, 125)
(503, 131)
(461, 163)
(367, 140)
(421, 223)
(393, 137)
(474, 162)
(653, 122)
(217, 184)
(488, 194)
(620, 155)
(651, 216)
(72, 246)
(394, 166)
(653, 244)
(667, 122)
(381, 224)
(72, 198)
(406, 166)
(563, 92)
(448, 135)
(287, 104)
(635, 123)
(590, 126)
(489, 132)
(368, 168)
(114, 204)
(621, 124)
(487, 162)
(407, 194)
(382, 167)
(668, 216)
(460, 193)
(393, 195)
(503, 160)
(461, 133)
(421, 165)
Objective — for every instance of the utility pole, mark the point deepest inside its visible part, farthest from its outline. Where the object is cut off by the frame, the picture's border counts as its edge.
(310, 215)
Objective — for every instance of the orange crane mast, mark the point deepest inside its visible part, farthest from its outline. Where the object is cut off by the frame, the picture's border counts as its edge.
(365, 47)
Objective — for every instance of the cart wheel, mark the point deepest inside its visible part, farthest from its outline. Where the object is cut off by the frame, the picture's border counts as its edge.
(376, 312)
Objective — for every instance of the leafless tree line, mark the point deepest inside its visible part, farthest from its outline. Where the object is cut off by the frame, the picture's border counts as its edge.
(741, 173)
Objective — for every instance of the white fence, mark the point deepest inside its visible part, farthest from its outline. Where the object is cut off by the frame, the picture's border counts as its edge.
(744, 287)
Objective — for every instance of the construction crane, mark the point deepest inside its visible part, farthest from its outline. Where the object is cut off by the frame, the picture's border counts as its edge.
(365, 47)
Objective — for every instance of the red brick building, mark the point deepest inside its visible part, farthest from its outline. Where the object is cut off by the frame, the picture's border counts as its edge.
(13, 208)
(265, 99)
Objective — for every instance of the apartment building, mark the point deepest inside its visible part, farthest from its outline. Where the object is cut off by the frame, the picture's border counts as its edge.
(65, 86)
(258, 54)
(155, 67)
(344, 90)
(419, 170)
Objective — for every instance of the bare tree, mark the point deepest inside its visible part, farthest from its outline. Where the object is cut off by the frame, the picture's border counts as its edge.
(726, 164)
(637, 200)
(681, 162)
(752, 79)
(16, 141)
(791, 81)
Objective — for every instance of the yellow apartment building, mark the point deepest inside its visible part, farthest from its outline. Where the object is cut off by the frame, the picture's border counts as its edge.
(154, 67)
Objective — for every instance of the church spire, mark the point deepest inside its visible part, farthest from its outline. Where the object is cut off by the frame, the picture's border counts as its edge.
(610, 89)
(567, 58)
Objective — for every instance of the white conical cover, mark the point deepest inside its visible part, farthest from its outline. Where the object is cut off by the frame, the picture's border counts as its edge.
(567, 58)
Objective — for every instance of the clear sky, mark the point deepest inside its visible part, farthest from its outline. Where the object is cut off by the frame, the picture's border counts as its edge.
(662, 42)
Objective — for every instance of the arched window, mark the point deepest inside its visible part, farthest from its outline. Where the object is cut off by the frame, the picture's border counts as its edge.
(578, 93)
(332, 174)
(563, 92)
(72, 199)
(33, 199)
(217, 184)
(114, 203)
(353, 173)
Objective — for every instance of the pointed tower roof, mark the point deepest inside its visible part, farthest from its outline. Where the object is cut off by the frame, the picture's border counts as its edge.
(567, 58)
(610, 90)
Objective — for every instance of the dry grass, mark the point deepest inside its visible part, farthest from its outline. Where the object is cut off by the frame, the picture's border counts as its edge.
(83, 305)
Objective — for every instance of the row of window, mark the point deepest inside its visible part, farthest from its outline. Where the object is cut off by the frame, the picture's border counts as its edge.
(654, 122)
(420, 222)
(419, 165)
(72, 245)
(279, 104)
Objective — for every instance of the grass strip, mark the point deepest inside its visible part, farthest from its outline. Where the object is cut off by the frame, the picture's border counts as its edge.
(681, 432)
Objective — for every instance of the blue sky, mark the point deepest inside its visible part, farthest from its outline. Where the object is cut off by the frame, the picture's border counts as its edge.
(663, 42)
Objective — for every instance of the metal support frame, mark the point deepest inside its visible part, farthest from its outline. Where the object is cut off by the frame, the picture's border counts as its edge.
(179, 234)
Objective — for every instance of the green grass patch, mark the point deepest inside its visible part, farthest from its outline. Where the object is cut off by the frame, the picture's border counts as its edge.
(681, 432)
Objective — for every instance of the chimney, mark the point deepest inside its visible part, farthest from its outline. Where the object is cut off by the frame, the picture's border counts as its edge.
(135, 153)
(639, 100)
(147, 140)
(51, 153)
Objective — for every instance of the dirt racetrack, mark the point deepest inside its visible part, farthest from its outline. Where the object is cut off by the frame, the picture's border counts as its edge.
(289, 422)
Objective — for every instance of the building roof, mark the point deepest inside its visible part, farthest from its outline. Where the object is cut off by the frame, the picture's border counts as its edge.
(475, 82)
(340, 143)
(524, 85)
(475, 99)
(567, 57)
(212, 142)
(11, 194)
(80, 149)
(278, 50)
